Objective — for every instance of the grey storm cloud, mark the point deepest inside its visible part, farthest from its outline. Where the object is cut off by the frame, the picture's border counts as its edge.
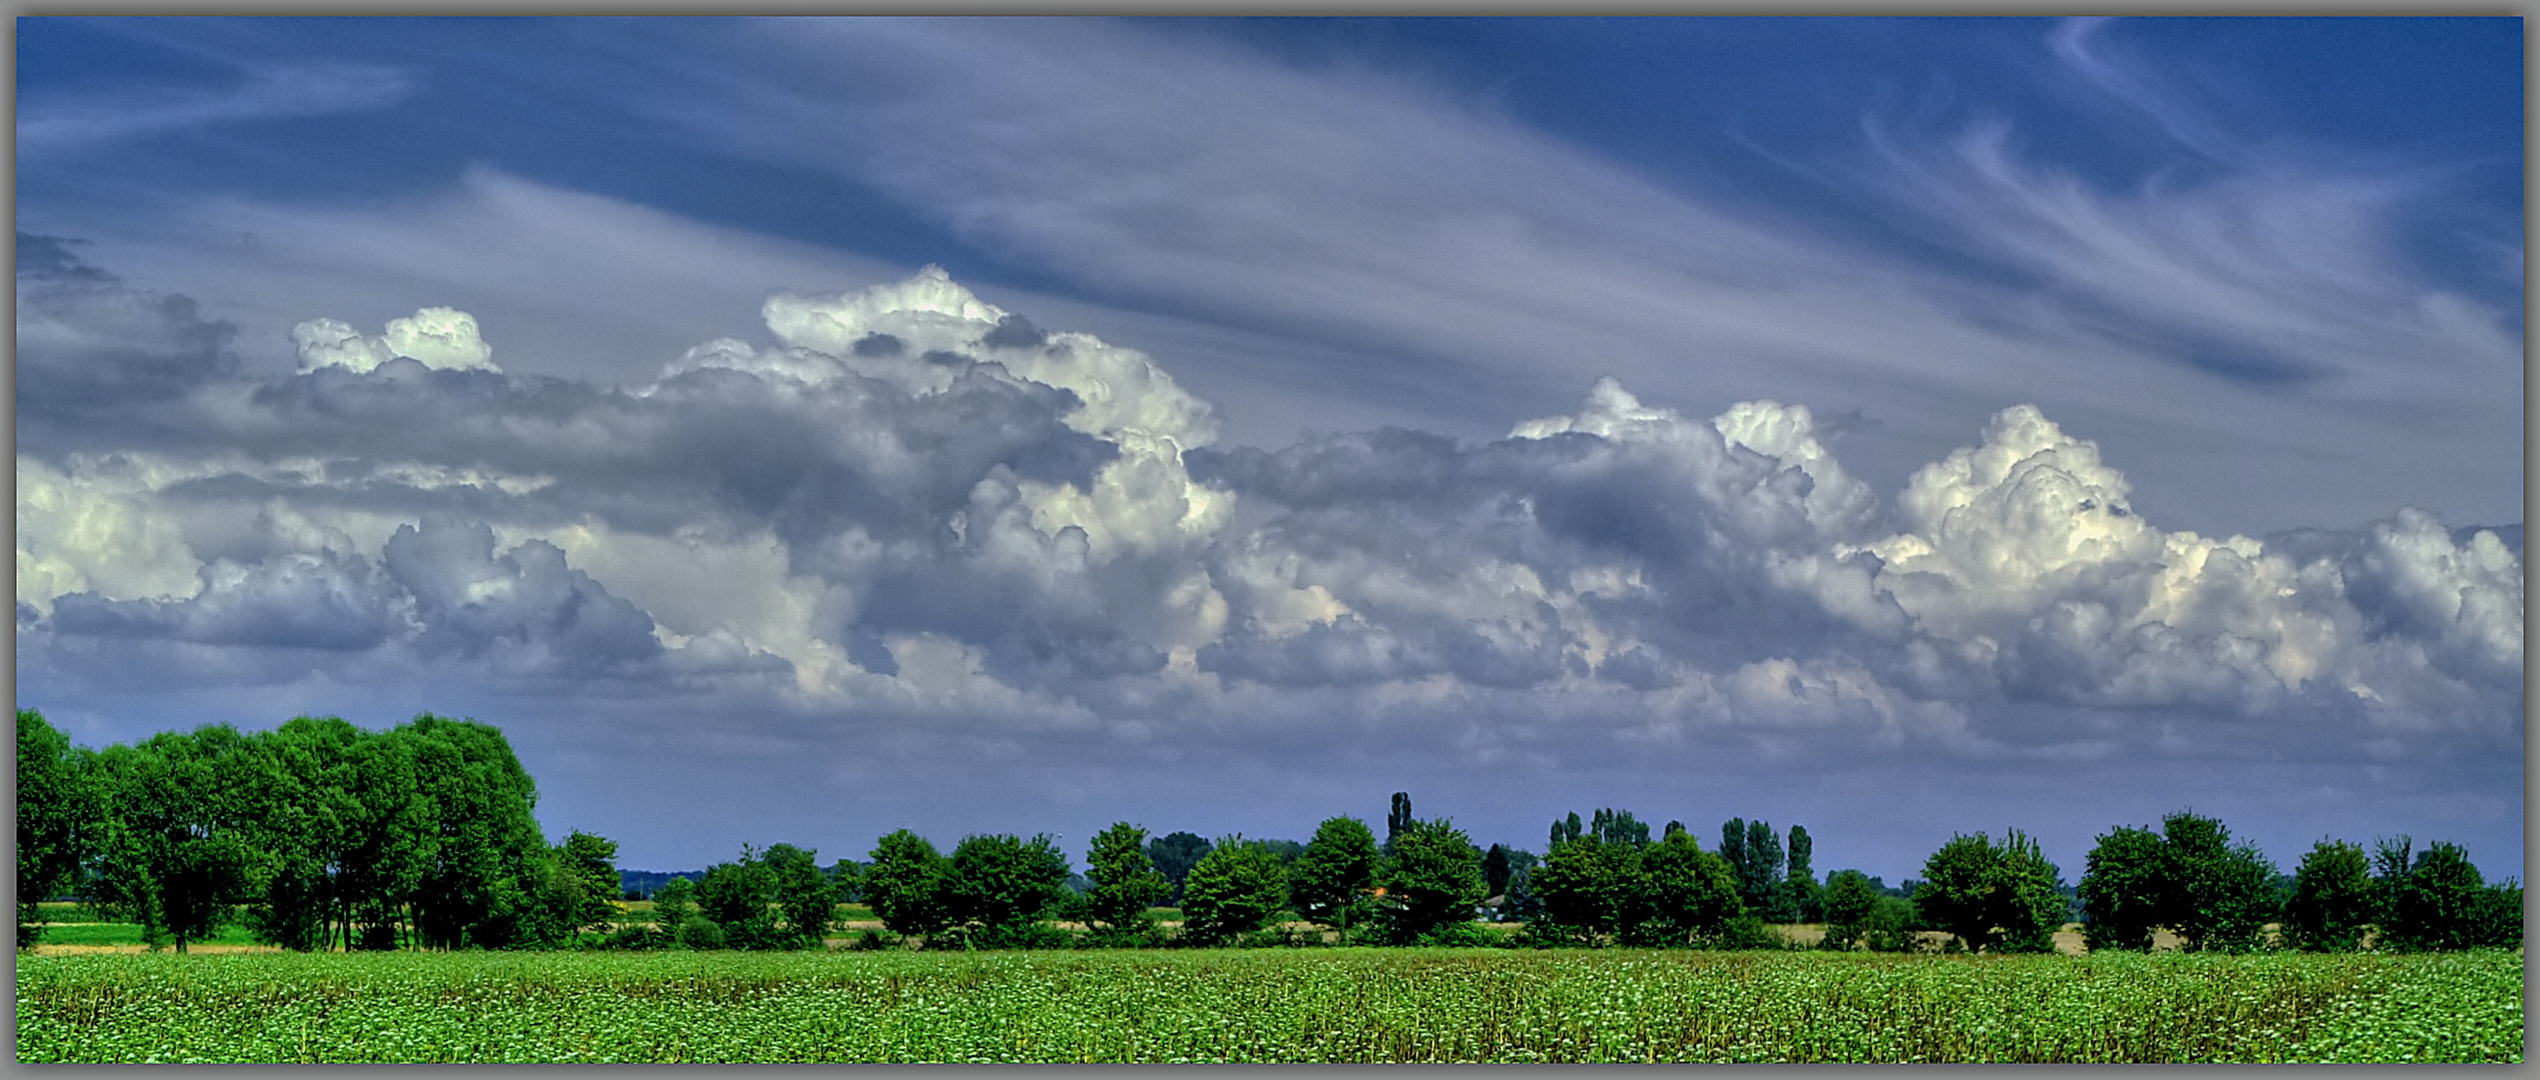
(918, 505)
(89, 346)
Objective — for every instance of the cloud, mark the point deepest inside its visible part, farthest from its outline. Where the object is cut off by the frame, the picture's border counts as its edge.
(87, 343)
(295, 601)
(95, 534)
(58, 125)
(2221, 309)
(436, 337)
(918, 512)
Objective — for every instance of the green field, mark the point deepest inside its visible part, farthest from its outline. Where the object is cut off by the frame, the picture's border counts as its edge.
(1308, 1005)
(124, 933)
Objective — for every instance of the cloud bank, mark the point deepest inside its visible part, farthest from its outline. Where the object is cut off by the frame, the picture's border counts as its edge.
(918, 512)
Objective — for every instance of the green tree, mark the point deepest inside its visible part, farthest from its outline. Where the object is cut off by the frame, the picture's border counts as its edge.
(1688, 893)
(1495, 871)
(2126, 889)
(1003, 885)
(805, 898)
(476, 888)
(2332, 899)
(1999, 897)
(592, 860)
(739, 897)
(1175, 854)
(676, 917)
(178, 851)
(2496, 919)
(1592, 891)
(908, 885)
(1754, 854)
(1890, 926)
(1564, 830)
(1333, 882)
(1800, 883)
(58, 818)
(2190, 878)
(2224, 893)
(2437, 903)
(1125, 880)
(1432, 877)
(1236, 889)
(1848, 899)
(1619, 827)
(557, 896)
(848, 876)
(1522, 904)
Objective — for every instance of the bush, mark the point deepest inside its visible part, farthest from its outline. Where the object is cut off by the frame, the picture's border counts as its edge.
(699, 932)
(1031, 935)
(1746, 932)
(1457, 935)
(1890, 926)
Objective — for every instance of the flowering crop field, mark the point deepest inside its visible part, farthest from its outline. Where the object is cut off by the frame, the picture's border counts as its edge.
(1267, 1005)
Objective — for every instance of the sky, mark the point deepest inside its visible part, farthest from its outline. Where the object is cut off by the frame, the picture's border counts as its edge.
(797, 430)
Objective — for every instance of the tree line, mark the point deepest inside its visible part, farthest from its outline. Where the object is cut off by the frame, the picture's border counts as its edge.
(321, 835)
(326, 834)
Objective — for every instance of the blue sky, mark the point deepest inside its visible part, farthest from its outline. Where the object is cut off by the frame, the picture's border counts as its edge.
(1892, 426)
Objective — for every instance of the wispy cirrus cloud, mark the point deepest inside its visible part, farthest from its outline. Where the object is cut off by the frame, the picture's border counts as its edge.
(1255, 454)
(1497, 262)
(268, 92)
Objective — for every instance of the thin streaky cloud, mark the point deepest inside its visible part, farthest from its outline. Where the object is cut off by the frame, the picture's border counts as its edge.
(269, 93)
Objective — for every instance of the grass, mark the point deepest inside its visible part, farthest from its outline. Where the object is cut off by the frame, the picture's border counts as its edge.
(1317, 1005)
(120, 933)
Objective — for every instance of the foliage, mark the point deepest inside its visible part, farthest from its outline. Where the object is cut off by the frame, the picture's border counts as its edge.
(1754, 855)
(1591, 890)
(2441, 902)
(1521, 902)
(1799, 883)
(737, 897)
(58, 817)
(1276, 1005)
(1001, 886)
(1847, 900)
(592, 861)
(1397, 818)
(1619, 827)
(2221, 894)
(1993, 897)
(2125, 889)
(2496, 919)
(1495, 871)
(1333, 882)
(177, 850)
(1175, 854)
(1890, 926)
(806, 899)
(1126, 882)
(1564, 830)
(2332, 901)
(1235, 890)
(673, 904)
(1688, 894)
(908, 885)
(1432, 876)
(472, 886)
